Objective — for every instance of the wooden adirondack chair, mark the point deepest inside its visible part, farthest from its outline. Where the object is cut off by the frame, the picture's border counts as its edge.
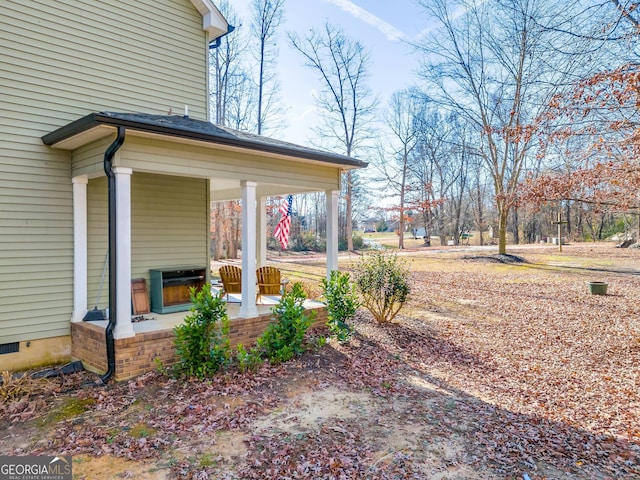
(231, 278)
(269, 282)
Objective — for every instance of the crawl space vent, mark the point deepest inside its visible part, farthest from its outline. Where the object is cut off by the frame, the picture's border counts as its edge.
(9, 348)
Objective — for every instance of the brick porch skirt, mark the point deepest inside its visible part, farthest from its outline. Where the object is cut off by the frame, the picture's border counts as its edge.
(139, 354)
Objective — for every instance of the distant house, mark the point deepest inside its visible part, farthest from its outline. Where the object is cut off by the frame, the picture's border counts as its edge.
(370, 225)
(107, 158)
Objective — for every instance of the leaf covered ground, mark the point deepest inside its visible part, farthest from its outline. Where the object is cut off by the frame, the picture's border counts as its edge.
(493, 370)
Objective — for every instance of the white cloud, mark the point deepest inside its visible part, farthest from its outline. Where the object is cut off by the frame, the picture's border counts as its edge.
(453, 16)
(307, 112)
(389, 31)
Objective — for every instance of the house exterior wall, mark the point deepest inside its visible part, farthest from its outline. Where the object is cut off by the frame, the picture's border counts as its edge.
(38, 353)
(59, 61)
(169, 227)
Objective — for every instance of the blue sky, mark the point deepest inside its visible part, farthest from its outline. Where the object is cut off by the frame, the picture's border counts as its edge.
(381, 25)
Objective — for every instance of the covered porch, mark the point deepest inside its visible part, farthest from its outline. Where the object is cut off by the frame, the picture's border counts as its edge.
(142, 190)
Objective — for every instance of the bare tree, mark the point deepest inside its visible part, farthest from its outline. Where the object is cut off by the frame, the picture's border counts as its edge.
(488, 62)
(266, 18)
(458, 174)
(479, 195)
(345, 101)
(231, 89)
(402, 119)
(438, 167)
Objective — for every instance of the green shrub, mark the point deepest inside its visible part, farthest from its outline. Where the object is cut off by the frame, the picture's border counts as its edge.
(358, 243)
(342, 304)
(613, 227)
(202, 341)
(284, 338)
(383, 282)
(248, 360)
(317, 342)
(307, 242)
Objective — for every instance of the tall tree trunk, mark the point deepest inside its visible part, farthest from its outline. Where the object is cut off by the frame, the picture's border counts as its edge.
(479, 217)
(601, 225)
(441, 232)
(233, 230)
(426, 218)
(502, 228)
(219, 240)
(260, 88)
(516, 227)
(401, 226)
(348, 230)
(579, 222)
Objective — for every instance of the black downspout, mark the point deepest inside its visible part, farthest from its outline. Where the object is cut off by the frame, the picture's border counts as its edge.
(113, 225)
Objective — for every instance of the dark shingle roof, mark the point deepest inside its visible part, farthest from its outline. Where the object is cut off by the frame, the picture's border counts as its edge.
(185, 127)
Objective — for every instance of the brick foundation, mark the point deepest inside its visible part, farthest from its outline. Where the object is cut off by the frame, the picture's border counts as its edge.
(137, 355)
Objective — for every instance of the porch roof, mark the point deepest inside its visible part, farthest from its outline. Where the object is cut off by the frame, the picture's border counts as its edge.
(101, 124)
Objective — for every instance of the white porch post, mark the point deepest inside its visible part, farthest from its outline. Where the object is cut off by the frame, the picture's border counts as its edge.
(123, 328)
(79, 247)
(248, 308)
(262, 232)
(332, 230)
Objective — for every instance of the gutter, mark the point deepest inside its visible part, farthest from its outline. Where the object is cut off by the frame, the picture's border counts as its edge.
(216, 43)
(113, 225)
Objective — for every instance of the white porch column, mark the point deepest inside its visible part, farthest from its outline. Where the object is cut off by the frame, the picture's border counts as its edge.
(262, 232)
(332, 230)
(79, 247)
(248, 308)
(123, 328)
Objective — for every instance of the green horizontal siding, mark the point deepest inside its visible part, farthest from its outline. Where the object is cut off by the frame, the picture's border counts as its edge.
(59, 61)
(169, 225)
(107, 55)
(169, 222)
(36, 248)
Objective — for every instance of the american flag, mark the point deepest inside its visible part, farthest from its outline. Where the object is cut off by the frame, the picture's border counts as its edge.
(284, 225)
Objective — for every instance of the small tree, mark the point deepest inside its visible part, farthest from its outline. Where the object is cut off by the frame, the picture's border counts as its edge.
(342, 304)
(202, 341)
(383, 282)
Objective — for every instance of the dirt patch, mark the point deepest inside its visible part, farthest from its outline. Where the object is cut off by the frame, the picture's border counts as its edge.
(86, 467)
(309, 411)
(497, 258)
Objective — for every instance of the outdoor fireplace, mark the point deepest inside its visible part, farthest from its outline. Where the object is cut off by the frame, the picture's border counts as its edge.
(170, 287)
